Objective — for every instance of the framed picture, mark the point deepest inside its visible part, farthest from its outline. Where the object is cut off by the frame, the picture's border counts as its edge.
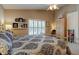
(24, 26)
(19, 20)
(15, 25)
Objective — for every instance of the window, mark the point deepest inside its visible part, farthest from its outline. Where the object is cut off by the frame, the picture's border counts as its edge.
(36, 27)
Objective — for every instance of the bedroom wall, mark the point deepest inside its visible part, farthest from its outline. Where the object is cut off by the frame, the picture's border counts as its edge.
(10, 16)
(67, 10)
(1, 17)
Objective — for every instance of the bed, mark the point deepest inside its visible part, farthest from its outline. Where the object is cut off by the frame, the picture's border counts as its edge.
(35, 45)
(5, 42)
(32, 45)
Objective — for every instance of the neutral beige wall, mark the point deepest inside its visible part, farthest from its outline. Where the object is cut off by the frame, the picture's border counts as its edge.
(10, 16)
(1, 14)
(1, 18)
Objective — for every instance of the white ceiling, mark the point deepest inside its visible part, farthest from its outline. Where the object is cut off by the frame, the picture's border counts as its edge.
(28, 6)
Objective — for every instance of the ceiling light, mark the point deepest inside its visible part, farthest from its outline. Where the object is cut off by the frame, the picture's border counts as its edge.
(53, 7)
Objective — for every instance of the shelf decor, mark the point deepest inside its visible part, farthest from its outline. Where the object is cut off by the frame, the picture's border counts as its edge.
(20, 23)
(19, 20)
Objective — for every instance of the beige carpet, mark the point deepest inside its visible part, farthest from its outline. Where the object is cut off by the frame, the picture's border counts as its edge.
(74, 48)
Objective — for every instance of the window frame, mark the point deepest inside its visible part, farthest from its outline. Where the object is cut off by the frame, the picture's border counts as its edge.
(41, 27)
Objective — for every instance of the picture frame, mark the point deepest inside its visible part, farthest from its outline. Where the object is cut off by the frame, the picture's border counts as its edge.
(15, 25)
(24, 26)
(19, 20)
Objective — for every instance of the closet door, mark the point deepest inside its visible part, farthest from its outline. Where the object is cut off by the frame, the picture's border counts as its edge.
(72, 24)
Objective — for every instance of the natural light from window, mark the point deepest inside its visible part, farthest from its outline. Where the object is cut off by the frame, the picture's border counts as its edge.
(36, 27)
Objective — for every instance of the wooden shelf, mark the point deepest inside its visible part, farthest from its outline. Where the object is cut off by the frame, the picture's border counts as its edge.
(19, 28)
